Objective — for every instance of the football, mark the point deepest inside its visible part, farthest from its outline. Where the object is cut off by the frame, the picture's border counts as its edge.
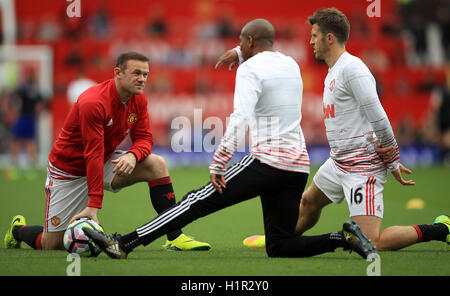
(76, 241)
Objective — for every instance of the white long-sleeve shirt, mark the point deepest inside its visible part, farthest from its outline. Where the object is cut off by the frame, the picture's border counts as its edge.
(267, 100)
(355, 118)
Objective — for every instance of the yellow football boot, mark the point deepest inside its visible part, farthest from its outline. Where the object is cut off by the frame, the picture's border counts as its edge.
(10, 241)
(444, 219)
(186, 243)
(255, 241)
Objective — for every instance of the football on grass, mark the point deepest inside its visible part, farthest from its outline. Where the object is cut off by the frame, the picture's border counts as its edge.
(76, 241)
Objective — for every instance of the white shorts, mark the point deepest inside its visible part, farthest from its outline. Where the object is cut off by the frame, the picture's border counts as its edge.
(67, 195)
(364, 194)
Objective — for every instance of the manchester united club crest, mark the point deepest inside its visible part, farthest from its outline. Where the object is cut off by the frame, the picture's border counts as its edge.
(332, 83)
(55, 221)
(132, 118)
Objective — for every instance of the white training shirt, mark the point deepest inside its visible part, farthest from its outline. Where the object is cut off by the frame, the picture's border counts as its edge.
(268, 100)
(355, 118)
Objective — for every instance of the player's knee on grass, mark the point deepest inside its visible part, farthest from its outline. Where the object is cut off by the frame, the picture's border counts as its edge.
(283, 248)
(273, 250)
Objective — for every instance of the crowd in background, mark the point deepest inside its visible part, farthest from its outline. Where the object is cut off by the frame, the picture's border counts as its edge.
(419, 32)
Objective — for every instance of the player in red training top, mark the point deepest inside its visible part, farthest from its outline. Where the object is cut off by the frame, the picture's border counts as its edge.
(84, 160)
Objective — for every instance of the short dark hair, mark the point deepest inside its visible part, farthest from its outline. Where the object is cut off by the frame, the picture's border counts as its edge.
(131, 55)
(331, 20)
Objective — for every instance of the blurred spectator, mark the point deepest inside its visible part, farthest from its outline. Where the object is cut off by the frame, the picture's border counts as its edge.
(392, 25)
(75, 57)
(415, 23)
(78, 86)
(225, 28)
(28, 101)
(444, 118)
(99, 24)
(50, 30)
(7, 118)
(406, 133)
(26, 31)
(443, 20)
(157, 25)
(358, 24)
(428, 83)
(73, 27)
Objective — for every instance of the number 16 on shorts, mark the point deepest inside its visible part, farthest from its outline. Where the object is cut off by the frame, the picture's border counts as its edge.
(366, 199)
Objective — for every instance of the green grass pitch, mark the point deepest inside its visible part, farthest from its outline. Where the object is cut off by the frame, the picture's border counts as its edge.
(225, 230)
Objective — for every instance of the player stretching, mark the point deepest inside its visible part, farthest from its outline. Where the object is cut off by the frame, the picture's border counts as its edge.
(267, 98)
(354, 120)
(84, 160)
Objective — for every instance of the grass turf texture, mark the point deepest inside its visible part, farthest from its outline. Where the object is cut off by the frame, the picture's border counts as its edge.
(225, 230)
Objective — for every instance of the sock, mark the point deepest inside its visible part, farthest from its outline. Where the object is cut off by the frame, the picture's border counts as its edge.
(31, 235)
(163, 197)
(336, 239)
(427, 232)
(130, 241)
(304, 246)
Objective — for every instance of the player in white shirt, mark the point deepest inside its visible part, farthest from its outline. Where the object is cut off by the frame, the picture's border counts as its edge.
(355, 120)
(267, 100)
(357, 128)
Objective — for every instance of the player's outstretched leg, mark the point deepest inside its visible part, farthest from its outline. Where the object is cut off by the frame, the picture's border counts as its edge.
(10, 241)
(355, 239)
(154, 171)
(110, 244)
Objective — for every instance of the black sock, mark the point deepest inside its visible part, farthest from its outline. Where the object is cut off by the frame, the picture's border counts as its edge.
(163, 197)
(337, 239)
(130, 241)
(304, 246)
(427, 232)
(31, 235)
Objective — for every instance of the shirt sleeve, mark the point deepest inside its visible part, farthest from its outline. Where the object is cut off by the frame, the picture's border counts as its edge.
(362, 85)
(141, 134)
(246, 95)
(237, 49)
(92, 116)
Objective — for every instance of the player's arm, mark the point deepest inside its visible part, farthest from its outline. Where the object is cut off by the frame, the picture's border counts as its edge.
(385, 153)
(142, 139)
(91, 115)
(363, 87)
(246, 95)
(231, 57)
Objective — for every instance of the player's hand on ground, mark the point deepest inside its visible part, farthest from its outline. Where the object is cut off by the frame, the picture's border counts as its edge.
(230, 57)
(385, 153)
(125, 164)
(218, 182)
(88, 212)
(398, 175)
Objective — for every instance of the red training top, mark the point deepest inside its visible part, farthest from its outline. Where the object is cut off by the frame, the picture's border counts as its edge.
(97, 123)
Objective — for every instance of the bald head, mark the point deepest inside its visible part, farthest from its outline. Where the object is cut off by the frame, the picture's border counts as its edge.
(261, 30)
